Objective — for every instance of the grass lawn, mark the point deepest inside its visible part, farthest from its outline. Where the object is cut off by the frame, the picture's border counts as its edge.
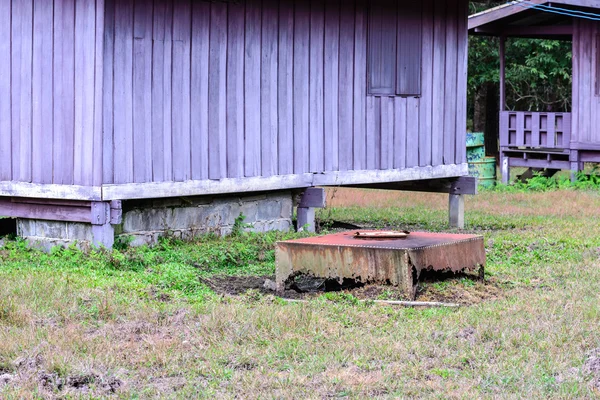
(145, 323)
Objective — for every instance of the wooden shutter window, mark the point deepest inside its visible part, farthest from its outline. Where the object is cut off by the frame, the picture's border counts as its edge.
(382, 48)
(408, 69)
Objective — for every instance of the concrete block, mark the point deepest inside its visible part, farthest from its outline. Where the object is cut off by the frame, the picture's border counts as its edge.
(283, 225)
(268, 210)
(26, 227)
(287, 207)
(258, 197)
(51, 229)
(79, 231)
(250, 211)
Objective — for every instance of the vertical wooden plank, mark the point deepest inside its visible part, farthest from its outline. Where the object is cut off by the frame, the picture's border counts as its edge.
(330, 103)
(400, 105)
(520, 128)
(371, 140)
(535, 130)
(108, 89)
(22, 18)
(450, 99)
(438, 132)
(413, 17)
(316, 73)
(381, 68)
(142, 91)
(461, 84)
(182, 166)
(168, 93)
(64, 91)
(551, 130)
(123, 92)
(346, 86)
(301, 83)
(268, 88)
(575, 87)
(5, 93)
(584, 82)
(387, 133)
(97, 168)
(217, 75)
(360, 87)
(199, 93)
(158, 91)
(252, 143)
(413, 118)
(425, 124)
(85, 28)
(504, 128)
(235, 91)
(41, 91)
(285, 93)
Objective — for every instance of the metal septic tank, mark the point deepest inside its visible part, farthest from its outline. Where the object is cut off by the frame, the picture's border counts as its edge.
(372, 257)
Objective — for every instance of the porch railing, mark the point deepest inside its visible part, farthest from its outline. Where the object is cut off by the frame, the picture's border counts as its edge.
(535, 130)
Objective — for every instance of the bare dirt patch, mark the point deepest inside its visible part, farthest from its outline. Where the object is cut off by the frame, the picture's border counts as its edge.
(456, 288)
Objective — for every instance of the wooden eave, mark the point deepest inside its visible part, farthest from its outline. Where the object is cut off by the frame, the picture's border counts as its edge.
(516, 20)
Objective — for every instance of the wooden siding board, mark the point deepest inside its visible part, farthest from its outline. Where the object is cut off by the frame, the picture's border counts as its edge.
(387, 133)
(399, 155)
(252, 106)
(330, 80)
(123, 92)
(346, 86)
(413, 17)
(21, 60)
(63, 91)
(461, 83)
(199, 92)
(585, 88)
(285, 92)
(217, 81)
(413, 117)
(98, 94)
(301, 85)
(575, 83)
(425, 124)
(42, 91)
(142, 91)
(382, 40)
(168, 93)
(85, 32)
(235, 92)
(5, 94)
(316, 82)
(181, 90)
(372, 129)
(450, 81)
(157, 90)
(360, 87)
(268, 88)
(108, 90)
(438, 88)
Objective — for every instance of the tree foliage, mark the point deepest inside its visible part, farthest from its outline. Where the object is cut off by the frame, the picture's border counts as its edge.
(538, 72)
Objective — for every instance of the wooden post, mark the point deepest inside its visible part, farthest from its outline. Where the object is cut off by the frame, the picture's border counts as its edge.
(502, 73)
(456, 206)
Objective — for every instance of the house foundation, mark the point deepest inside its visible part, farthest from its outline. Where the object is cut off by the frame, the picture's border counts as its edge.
(140, 222)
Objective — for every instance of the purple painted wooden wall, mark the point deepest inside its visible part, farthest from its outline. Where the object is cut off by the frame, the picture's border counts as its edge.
(586, 93)
(208, 90)
(50, 107)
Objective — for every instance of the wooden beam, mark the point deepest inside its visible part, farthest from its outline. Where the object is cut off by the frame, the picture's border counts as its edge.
(50, 191)
(550, 31)
(460, 185)
(49, 212)
(313, 197)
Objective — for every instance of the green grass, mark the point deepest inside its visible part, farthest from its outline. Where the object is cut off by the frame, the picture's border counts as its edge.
(139, 323)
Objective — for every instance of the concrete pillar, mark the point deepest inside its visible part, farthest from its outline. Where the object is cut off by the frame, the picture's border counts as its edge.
(504, 168)
(306, 219)
(456, 208)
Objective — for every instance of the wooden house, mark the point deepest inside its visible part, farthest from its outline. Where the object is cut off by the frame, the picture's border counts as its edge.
(103, 102)
(548, 140)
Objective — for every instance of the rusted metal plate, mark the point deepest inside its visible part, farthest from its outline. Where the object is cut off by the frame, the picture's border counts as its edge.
(396, 261)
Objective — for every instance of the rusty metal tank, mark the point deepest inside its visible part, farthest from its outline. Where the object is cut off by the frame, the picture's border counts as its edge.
(374, 257)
